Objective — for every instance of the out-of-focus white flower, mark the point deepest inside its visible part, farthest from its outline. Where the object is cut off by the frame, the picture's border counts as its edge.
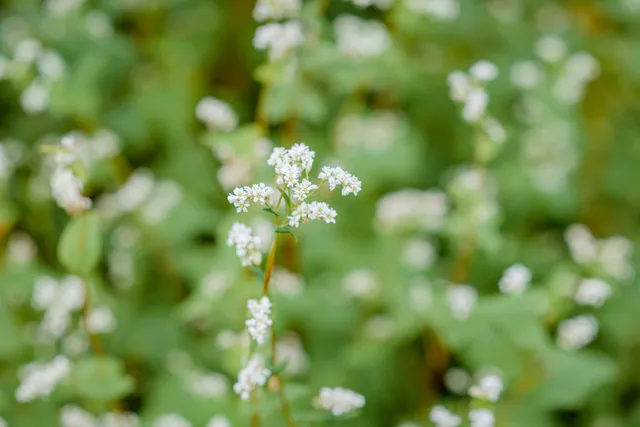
(286, 283)
(40, 379)
(494, 130)
(489, 387)
(440, 10)
(526, 74)
(58, 300)
(418, 254)
(27, 50)
(66, 189)
(35, 98)
(550, 48)
(216, 114)
(381, 4)
(98, 24)
(247, 245)
(260, 322)
(442, 417)
(73, 416)
(419, 294)
(410, 209)
(251, 376)
(219, 421)
(278, 39)
(276, 9)
(119, 419)
(481, 418)
(475, 105)
(63, 7)
(374, 133)
(379, 328)
(593, 292)
(166, 195)
(358, 38)
(171, 420)
(290, 348)
(214, 284)
(361, 283)
(515, 280)
(209, 385)
(339, 400)
(459, 85)
(51, 65)
(101, 320)
(306, 212)
(577, 332)
(461, 300)
(582, 244)
(457, 380)
(483, 71)
(21, 248)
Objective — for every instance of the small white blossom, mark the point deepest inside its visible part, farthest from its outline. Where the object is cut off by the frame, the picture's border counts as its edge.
(577, 332)
(276, 9)
(219, 421)
(442, 417)
(247, 245)
(461, 300)
(302, 189)
(337, 176)
(27, 50)
(551, 48)
(289, 164)
(66, 189)
(459, 85)
(101, 320)
(418, 254)
(290, 348)
(216, 114)
(251, 376)
(119, 419)
(73, 416)
(457, 380)
(40, 379)
(208, 385)
(35, 98)
(489, 387)
(475, 104)
(51, 65)
(259, 324)
(593, 292)
(582, 244)
(243, 196)
(484, 71)
(494, 130)
(515, 280)
(362, 283)
(359, 38)
(408, 209)
(171, 420)
(278, 39)
(440, 10)
(339, 400)
(481, 418)
(526, 74)
(306, 212)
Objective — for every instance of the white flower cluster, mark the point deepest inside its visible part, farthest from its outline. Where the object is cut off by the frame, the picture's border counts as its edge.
(260, 322)
(66, 186)
(278, 39)
(489, 387)
(276, 9)
(286, 283)
(242, 197)
(361, 283)
(481, 417)
(90, 149)
(290, 348)
(253, 375)
(58, 299)
(337, 176)
(73, 416)
(236, 170)
(462, 300)
(374, 133)
(101, 320)
(339, 400)
(594, 292)
(219, 421)
(410, 208)
(380, 4)
(216, 114)
(290, 164)
(442, 417)
(577, 332)
(309, 211)
(439, 10)
(515, 280)
(612, 255)
(247, 245)
(207, 385)
(358, 38)
(171, 420)
(40, 379)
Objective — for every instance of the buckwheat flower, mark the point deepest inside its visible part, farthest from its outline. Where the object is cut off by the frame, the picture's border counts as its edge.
(98, 24)
(286, 283)
(302, 155)
(515, 280)
(66, 189)
(73, 416)
(359, 38)
(489, 387)
(276, 9)
(351, 185)
(40, 379)
(577, 332)
(481, 418)
(240, 198)
(247, 245)
(219, 421)
(459, 86)
(35, 98)
(290, 348)
(526, 74)
(582, 244)
(278, 39)
(21, 249)
(27, 50)
(119, 419)
(209, 385)
(339, 400)
(259, 324)
(615, 257)
(302, 189)
(442, 417)
(494, 130)
(101, 320)
(593, 292)
(550, 48)
(440, 10)
(410, 208)
(51, 65)
(418, 254)
(171, 420)
(3, 423)
(484, 71)
(475, 105)
(337, 176)
(306, 212)
(361, 283)
(259, 193)
(461, 300)
(216, 114)
(251, 376)
(457, 380)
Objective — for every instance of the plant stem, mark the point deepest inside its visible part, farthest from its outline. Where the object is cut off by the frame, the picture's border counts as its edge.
(96, 344)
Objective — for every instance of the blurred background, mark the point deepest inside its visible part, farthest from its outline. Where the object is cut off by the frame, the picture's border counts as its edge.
(375, 302)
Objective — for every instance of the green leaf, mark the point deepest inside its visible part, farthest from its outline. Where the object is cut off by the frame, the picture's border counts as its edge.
(278, 367)
(286, 230)
(81, 244)
(101, 378)
(271, 211)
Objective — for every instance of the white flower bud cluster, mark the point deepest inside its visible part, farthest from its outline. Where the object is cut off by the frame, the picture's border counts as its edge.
(255, 374)
(242, 197)
(337, 176)
(358, 38)
(260, 322)
(289, 164)
(438, 10)
(515, 280)
(278, 39)
(40, 379)
(339, 400)
(171, 420)
(577, 332)
(309, 211)
(73, 416)
(276, 9)
(247, 245)
(411, 209)
(58, 299)
(594, 292)
(489, 387)
(462, 300)
(216, 114)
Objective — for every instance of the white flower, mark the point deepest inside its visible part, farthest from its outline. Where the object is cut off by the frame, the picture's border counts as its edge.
(286, 283)
(259, 324)
(577, 332)
(440, 10)
(457, 380)
(302, 189)
(362, 283)
(73, 416)
(442, 417)
(515, 280)
(481, 418)
(461, 300)
(101, 320)
(276, 9)
(216, 114)
(171, 420)
(526, 74)
(289, 164)
(615, 257)
(27, 50)
(278, 39)
(51, 65)
(418, 254)
(475, 104)
(594, 292)
(66, 189)
(339, 400)
(219, 421)
(459, 85)
(119, 419)
(337, 176)
(309, 211)
(290, 348)
(582, 244)
(550, 48)
(494, 130)
(208, 385)
(257, 193)
(359, 38)
(251, 376)
(484, 71)
(40, 379)
(408, 209)
(489, 387)
(247, 245)
(98, 24)
(35, 98)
